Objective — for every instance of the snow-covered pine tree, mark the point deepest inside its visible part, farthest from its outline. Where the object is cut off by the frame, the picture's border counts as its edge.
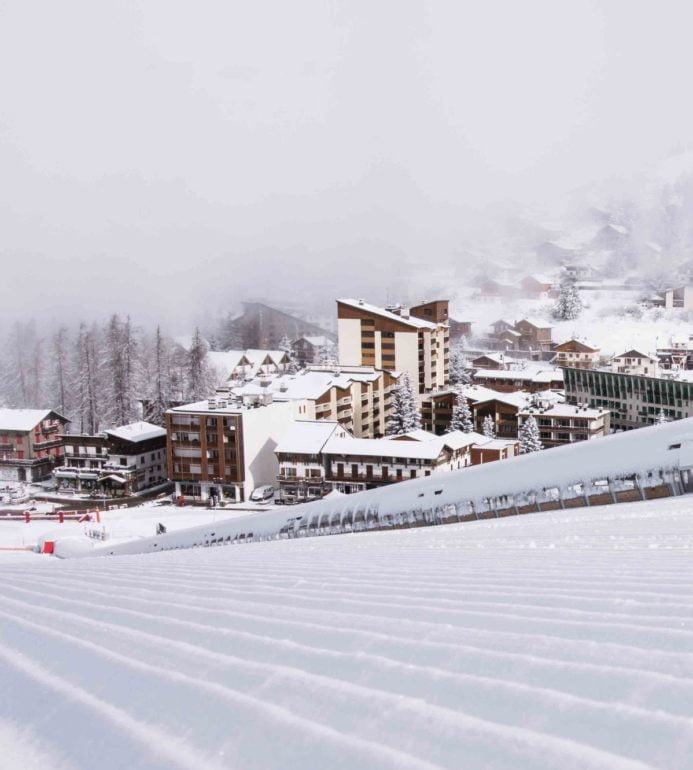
(326, 355)
(199, 381)
(60, 370)
(661, 418)
(568, 305)
(286, 347)
(459, 372)
(461, 414)
(530, 439)
(404, 409)
(158, 392)
(488, 427)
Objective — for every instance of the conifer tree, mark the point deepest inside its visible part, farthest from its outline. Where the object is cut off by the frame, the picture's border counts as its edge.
(530, 439)
(461, 414)
(488, 427)
(404, 409)
(568, 305)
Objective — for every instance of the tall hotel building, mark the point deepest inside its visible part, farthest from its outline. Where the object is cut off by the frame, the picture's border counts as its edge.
(416, 341)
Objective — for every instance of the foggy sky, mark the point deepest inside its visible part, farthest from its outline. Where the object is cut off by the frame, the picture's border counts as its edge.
(158, 157)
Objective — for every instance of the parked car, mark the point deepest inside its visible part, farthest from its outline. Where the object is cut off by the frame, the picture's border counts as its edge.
(262, 494)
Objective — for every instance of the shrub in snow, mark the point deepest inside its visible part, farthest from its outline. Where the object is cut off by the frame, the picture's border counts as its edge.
(404, 414)
(461, 414)
(568, 305)
(488, 427)
(530, 439)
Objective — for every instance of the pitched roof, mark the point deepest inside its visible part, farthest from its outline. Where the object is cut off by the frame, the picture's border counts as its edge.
(576, 345)
(391, 447)
(633, 354)
(412, 321)
(535, 322)
(25, 419)
(137, 431)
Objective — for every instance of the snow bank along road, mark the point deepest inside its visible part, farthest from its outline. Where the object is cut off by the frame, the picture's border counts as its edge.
(559, 640)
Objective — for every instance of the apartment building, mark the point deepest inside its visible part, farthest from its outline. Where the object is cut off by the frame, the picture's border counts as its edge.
(635, 362)
(415, 341)
(30, 443)
(358, 397)
(561, 424)
(117, 462)
(222, 449)
(302, 473)
(84, 462)
(577, 354)
(311, 350)
(633, 400)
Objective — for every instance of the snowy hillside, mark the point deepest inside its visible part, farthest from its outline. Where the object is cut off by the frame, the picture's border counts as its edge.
(556, 640)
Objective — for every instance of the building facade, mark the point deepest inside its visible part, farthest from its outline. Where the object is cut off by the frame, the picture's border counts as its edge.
(415, 341)
(561, 424)
(633, 400)
(635, 362)
(222, 449)
(119, 462)
(30, 443)
(576, 354)
(358, 397)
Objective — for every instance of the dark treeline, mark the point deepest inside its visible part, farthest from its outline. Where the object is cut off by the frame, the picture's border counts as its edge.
(100, 375)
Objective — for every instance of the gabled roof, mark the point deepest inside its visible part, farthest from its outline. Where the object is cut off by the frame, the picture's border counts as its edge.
(23, 420)
(416, 323)
(137, 431)
(633, 354)
(575, 345)
(259, 357)
(535, 322)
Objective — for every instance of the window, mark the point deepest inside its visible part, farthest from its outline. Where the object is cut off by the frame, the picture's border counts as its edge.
(123, 461)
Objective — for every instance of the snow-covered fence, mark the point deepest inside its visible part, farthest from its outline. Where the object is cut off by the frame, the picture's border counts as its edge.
(637, 465)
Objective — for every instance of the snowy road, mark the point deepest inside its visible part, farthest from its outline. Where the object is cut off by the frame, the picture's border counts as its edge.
(548, 641)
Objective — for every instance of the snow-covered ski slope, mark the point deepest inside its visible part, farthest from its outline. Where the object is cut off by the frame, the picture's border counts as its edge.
(538, 475)
(558, 640)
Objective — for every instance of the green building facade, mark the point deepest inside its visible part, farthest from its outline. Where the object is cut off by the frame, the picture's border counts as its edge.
(634, 400)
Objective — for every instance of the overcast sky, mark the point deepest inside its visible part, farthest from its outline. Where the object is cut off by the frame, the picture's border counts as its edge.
(157, 155)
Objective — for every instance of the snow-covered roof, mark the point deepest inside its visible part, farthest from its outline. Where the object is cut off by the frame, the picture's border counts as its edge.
(226, 361)
(496, 443)
(565, 410)
(529, 373)
(495, 357)
(415, 435)
(391, 447)
(137, 431)
(307, 436)
(308, 383)
(258, 357)
(538, 323)
(417, 323)
(633, 354)
(25, 419)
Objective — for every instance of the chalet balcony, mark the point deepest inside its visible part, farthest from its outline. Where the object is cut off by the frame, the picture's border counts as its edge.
(42, 445)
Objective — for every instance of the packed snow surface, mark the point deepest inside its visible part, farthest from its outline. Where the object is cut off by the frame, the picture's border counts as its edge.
(554, 640)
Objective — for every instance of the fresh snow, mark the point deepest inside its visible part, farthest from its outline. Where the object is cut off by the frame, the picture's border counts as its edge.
(553, 640)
